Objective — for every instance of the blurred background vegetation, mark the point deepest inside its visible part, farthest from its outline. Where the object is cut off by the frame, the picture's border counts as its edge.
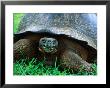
(17, 18)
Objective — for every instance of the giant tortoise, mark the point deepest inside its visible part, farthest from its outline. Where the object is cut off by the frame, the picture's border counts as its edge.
(69, 37)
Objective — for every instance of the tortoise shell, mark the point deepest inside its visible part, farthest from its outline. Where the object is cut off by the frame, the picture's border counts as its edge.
(81, 26)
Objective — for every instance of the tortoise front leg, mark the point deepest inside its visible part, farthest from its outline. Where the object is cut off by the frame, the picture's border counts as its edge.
(24, 48)
(71, 59)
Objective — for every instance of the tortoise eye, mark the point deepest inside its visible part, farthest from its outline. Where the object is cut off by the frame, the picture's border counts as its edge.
(43, 41)
(55, 43)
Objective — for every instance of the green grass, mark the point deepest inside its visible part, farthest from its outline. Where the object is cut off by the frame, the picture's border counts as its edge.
(35, 67)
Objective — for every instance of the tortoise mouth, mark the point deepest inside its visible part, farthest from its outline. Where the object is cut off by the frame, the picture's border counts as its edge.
(48, 45)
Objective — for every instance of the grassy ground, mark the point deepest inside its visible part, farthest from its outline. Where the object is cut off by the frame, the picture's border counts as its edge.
(35, 67)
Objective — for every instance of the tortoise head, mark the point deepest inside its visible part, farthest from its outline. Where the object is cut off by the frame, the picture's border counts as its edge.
(48, 45)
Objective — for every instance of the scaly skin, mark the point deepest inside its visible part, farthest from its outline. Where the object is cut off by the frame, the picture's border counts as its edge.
(24, 48)
(71, 59)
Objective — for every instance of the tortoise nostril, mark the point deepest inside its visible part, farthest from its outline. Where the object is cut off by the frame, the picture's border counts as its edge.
(49, 41)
